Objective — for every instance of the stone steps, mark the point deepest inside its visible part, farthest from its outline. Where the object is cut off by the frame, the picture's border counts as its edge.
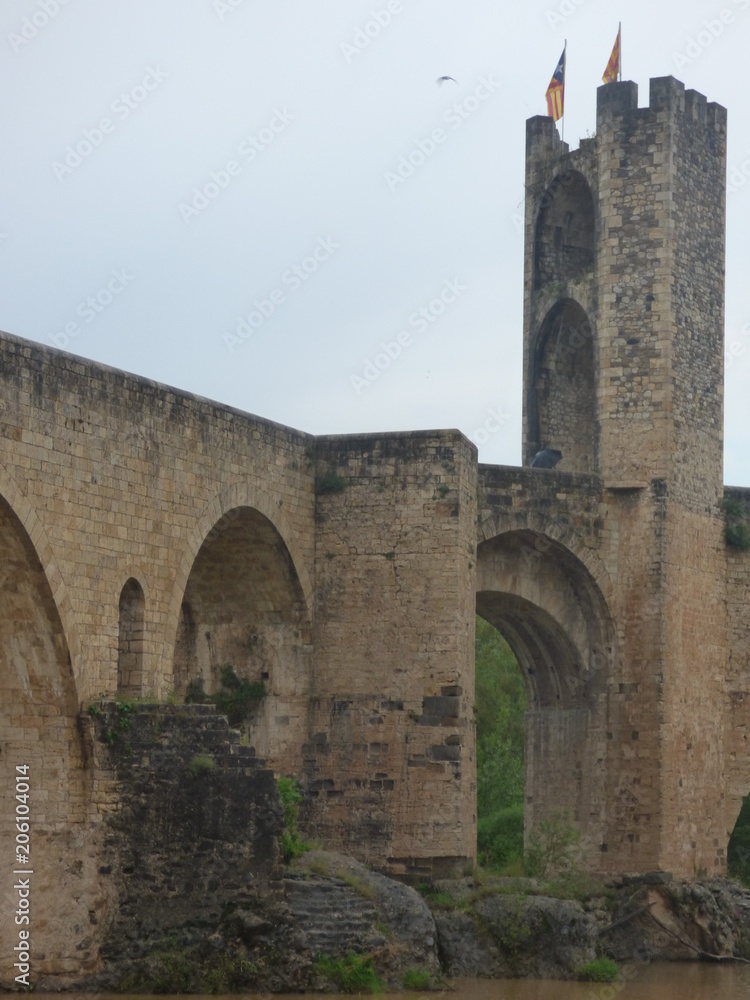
(333, 916)
(174, 730)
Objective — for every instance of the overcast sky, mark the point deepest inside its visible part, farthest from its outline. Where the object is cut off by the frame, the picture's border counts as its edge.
(206, 193)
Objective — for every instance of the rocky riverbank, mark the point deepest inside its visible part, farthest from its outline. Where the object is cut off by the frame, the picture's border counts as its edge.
(340, 925)
(194, 896)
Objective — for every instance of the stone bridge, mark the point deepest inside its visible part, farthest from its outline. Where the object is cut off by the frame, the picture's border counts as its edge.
(150, 539)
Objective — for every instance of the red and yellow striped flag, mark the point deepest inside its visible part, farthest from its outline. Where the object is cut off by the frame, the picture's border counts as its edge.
(556, 91)
(612, 72)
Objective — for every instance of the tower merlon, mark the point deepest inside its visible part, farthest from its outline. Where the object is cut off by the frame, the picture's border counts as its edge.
(666, 94)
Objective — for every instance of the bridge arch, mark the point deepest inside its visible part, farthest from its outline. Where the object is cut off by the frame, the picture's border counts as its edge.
(19, 503)
(41, 753)
(550, 609)
(245, 605)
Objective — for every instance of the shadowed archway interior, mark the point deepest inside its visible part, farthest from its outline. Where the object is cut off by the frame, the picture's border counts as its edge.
(552, 614)
(244, 609)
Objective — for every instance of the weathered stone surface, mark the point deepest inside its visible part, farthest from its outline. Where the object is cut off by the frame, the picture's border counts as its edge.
(507, 936)
(679, 920)
(341, 906)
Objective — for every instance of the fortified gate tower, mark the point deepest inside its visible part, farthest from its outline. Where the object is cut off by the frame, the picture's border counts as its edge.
(623, 373)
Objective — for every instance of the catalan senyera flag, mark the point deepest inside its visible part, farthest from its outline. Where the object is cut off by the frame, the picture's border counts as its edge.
(556, 91)
(612, 72)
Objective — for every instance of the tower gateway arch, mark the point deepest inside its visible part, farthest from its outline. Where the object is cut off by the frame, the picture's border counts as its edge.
(338, 579)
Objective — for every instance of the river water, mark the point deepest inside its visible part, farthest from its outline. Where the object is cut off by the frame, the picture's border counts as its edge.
(659, 981)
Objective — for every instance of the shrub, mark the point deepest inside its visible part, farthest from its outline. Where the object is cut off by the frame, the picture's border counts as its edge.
(237, 699)
(291, 845)
(353, 974)
(417, 979)
(329, 482)
(552, 848)
(500, 836)
(201, 764)
(601, 970)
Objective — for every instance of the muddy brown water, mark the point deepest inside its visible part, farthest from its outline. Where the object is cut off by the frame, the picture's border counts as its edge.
(660, 981)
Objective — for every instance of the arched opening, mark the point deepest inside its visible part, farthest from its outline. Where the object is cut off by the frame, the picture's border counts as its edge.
(244, 626)
(562, 388)
(41, 759)
(130, 641)
(564, 234)
(500, 711)
(549, 610)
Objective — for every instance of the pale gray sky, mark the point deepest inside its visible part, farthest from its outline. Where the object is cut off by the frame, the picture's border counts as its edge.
(177, 161)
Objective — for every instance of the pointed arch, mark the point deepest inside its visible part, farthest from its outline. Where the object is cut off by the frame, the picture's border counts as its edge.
(565, 231)
(16, 499)
(562, 388)
(40, 741)
(548, 607)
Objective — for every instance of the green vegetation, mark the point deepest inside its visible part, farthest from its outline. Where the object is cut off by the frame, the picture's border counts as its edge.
(353, 974)
(738, 852)
(171, 969)
(736, 529)
(553, 845)
(113, 736)
(436, 899)
(329, 482)
(201, 764)
(553, 848)
(237, 699)
(417, 980)
(291, 845)
(601, 970)
(500, 710)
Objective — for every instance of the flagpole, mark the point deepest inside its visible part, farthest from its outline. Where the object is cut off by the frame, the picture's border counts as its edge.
(619, 36)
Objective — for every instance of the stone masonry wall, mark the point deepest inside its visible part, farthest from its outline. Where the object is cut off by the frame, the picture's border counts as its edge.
(192, 825)
(390, 761)
(610, 684)
(126, 478)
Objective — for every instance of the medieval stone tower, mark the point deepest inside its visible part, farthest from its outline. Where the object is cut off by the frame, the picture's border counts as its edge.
(623, 373)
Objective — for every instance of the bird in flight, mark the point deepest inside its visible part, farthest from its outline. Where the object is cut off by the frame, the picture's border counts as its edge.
(443, 79)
